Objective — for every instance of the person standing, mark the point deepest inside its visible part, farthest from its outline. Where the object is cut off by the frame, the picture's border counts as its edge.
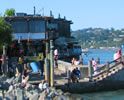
(56, 57)
(95, 65)
(118, 55)
(20, 65)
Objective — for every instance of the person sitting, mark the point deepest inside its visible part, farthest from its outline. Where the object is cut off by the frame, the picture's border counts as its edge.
(75, 75)
(20, 66)
(24, 81)
(25, 75)
(74, 61)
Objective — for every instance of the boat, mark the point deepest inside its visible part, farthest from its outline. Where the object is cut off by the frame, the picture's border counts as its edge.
(85, 50)
(110, 77)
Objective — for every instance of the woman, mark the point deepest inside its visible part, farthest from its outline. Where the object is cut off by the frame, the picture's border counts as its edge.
(95, 65)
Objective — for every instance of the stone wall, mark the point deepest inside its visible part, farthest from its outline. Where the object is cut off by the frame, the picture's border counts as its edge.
(65, 66)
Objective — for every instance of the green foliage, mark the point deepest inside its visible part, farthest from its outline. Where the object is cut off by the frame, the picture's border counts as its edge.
(10, 12)
(5, 32)
(99, 37)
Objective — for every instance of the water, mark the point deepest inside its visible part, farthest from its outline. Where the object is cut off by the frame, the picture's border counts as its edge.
(108, 95)
(104, 55)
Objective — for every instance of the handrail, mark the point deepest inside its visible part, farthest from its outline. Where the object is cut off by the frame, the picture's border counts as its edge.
(107, 70)
(107, 67)
(108, 63)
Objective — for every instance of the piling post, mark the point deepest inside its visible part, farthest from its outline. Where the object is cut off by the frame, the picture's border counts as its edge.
(98, 60)
(47, 64)
(3, 66)
(122, 58)
(90, 70)
(46, 69)
(51, 64)
(107, 67)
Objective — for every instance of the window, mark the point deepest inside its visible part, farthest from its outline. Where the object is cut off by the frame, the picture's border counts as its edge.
(36, 26)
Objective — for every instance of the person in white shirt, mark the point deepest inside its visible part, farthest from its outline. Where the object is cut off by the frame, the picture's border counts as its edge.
(95, 65)
(56, 57)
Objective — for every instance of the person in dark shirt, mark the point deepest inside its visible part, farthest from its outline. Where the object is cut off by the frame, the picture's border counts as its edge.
(75, 75)
(77, 72)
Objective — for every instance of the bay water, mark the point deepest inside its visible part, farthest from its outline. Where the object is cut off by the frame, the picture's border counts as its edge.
(106, 95)
(105, 55)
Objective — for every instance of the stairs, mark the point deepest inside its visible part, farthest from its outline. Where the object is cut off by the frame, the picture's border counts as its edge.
(107, 72)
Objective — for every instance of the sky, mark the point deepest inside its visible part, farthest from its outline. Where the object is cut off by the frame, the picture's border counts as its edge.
(83, 13)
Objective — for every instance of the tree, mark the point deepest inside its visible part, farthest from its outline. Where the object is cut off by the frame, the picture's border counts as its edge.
(5, 33)
(10, 12)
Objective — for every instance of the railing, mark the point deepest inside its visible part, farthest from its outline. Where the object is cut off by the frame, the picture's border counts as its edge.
(107, 67)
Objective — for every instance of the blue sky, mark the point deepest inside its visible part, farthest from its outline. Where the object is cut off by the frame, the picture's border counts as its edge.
(83, 13)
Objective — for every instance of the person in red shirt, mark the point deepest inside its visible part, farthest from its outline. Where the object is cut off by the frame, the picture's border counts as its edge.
(118, 55)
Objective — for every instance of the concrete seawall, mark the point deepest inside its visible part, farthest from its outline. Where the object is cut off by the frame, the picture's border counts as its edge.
(66, 66)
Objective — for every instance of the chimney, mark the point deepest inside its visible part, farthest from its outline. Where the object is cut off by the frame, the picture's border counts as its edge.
(34, 10)
(51, 13)
(59, 16)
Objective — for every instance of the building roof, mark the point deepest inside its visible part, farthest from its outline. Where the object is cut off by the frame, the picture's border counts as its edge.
(28, 17)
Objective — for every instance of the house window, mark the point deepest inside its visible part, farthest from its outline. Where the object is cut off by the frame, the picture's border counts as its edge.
(36, 26)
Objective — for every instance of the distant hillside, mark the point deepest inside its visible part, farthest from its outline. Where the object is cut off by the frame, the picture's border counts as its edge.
(99, 37)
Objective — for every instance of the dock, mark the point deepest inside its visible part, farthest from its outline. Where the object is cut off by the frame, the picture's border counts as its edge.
(110, 77)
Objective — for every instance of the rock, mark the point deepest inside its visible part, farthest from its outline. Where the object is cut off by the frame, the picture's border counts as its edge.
(10, 80)
(10, 97)
(62, 97)
(34, 97)
(67, 94)
(28, 87)
(41, 86)
(10, 89)
(1, 98)
(28, 94)
(20, 94)
(60, 92)
(42, 95)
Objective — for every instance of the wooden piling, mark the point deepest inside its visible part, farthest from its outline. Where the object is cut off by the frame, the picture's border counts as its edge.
(51, 64)
(47, 64)
(90, 70)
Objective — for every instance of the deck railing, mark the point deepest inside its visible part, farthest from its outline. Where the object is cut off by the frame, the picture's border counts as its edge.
(106, 68)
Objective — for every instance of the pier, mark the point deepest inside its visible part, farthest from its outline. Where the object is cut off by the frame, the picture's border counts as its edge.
(110, 77)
